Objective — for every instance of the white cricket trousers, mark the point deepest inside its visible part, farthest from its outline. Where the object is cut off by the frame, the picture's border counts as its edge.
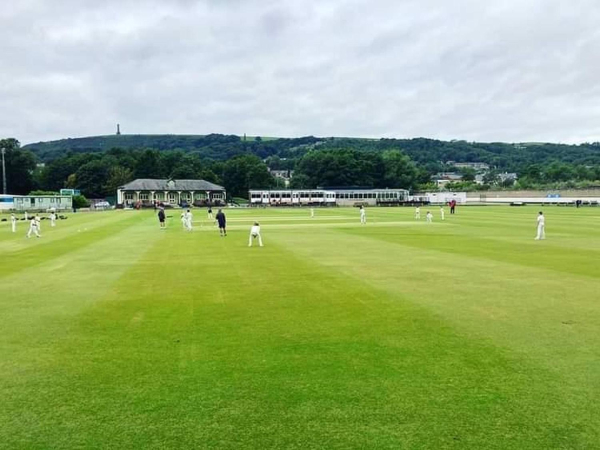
(541, 232)
(14, 227)
(33, 230)
(257, 235)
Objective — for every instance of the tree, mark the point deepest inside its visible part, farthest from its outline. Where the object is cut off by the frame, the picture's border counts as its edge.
(468, 174)
(40, 192)
(299, 181)
(20, 166)
(79, 201)
(150, 165)
(91, 178)
(71, 181)
(245, 172)
(60, 172)
(400, 171)
(490, 178)
(117, 177)
(187, 167)
(341, 167)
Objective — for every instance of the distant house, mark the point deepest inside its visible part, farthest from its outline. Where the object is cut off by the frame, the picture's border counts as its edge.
(285, 175)
(478, 166)
(146, 192)
(507, 176)
(443, 178)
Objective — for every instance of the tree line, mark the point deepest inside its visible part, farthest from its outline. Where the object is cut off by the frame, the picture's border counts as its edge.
(240, 164)
(100, 174)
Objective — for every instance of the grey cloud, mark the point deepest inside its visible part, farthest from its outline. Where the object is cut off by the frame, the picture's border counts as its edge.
(512, 70)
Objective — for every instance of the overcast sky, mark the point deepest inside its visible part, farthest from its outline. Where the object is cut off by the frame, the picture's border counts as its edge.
(485, 70)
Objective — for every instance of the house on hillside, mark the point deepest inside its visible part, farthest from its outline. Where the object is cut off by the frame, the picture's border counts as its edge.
(507, 177)
(443, 178)
(148, 192)
(285, 175)
(477, 166)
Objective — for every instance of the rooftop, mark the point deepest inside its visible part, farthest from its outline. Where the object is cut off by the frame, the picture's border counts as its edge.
(148, 184)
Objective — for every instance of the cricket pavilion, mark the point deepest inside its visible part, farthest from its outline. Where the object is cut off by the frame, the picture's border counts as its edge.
(146, 192)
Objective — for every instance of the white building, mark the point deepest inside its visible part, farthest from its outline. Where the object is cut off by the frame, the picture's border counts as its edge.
(147, 192)
(341, 196)
(35, 202)
(285, 175)
(478, 166)
(443, 198)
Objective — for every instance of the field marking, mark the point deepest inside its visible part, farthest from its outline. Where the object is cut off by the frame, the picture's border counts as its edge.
(321, 225)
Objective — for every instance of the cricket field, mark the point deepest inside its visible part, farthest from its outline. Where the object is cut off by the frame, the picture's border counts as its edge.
(461, 334)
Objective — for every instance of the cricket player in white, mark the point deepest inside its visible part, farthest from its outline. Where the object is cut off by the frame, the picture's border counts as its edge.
(39, 222)
(52, 219)
(429, 217)
(33, 228)
(541, 225)
(183, 224)
(255, 233)
(417, 213)
(188, 220)
(363, 215)
(312, 212)
(442, 212)
(13, 223)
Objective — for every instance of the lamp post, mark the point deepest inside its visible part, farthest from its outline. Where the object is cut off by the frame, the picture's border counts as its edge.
(3, 172)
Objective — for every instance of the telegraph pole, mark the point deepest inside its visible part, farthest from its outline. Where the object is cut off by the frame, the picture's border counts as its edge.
(3, 172)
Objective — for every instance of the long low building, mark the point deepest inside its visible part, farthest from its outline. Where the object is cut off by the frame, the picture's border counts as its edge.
(327, 196)
(147, 192)
(35, 202)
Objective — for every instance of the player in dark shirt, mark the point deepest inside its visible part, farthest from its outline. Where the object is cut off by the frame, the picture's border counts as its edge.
(222, 223)
(161, 217)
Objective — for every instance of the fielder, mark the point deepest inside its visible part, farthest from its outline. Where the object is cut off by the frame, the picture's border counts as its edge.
(363, 215)
(13, 223)
(188, 220)
(183, 220)
(312, 213)
(52, 219)
(33, 228)
(210, 214)
(429, 217)
(417, 213)
(39, 222)
(541, 225)
(255, 233)
(442, 213)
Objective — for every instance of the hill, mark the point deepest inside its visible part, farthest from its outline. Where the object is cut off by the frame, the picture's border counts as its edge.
(213, 146)
(504, 156)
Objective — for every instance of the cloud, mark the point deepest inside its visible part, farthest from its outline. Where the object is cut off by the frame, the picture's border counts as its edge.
(502, 70)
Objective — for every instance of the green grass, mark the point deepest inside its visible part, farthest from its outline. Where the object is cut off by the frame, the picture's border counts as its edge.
(398, 334)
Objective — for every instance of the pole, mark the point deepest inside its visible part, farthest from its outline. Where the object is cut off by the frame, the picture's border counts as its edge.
(3, 172)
